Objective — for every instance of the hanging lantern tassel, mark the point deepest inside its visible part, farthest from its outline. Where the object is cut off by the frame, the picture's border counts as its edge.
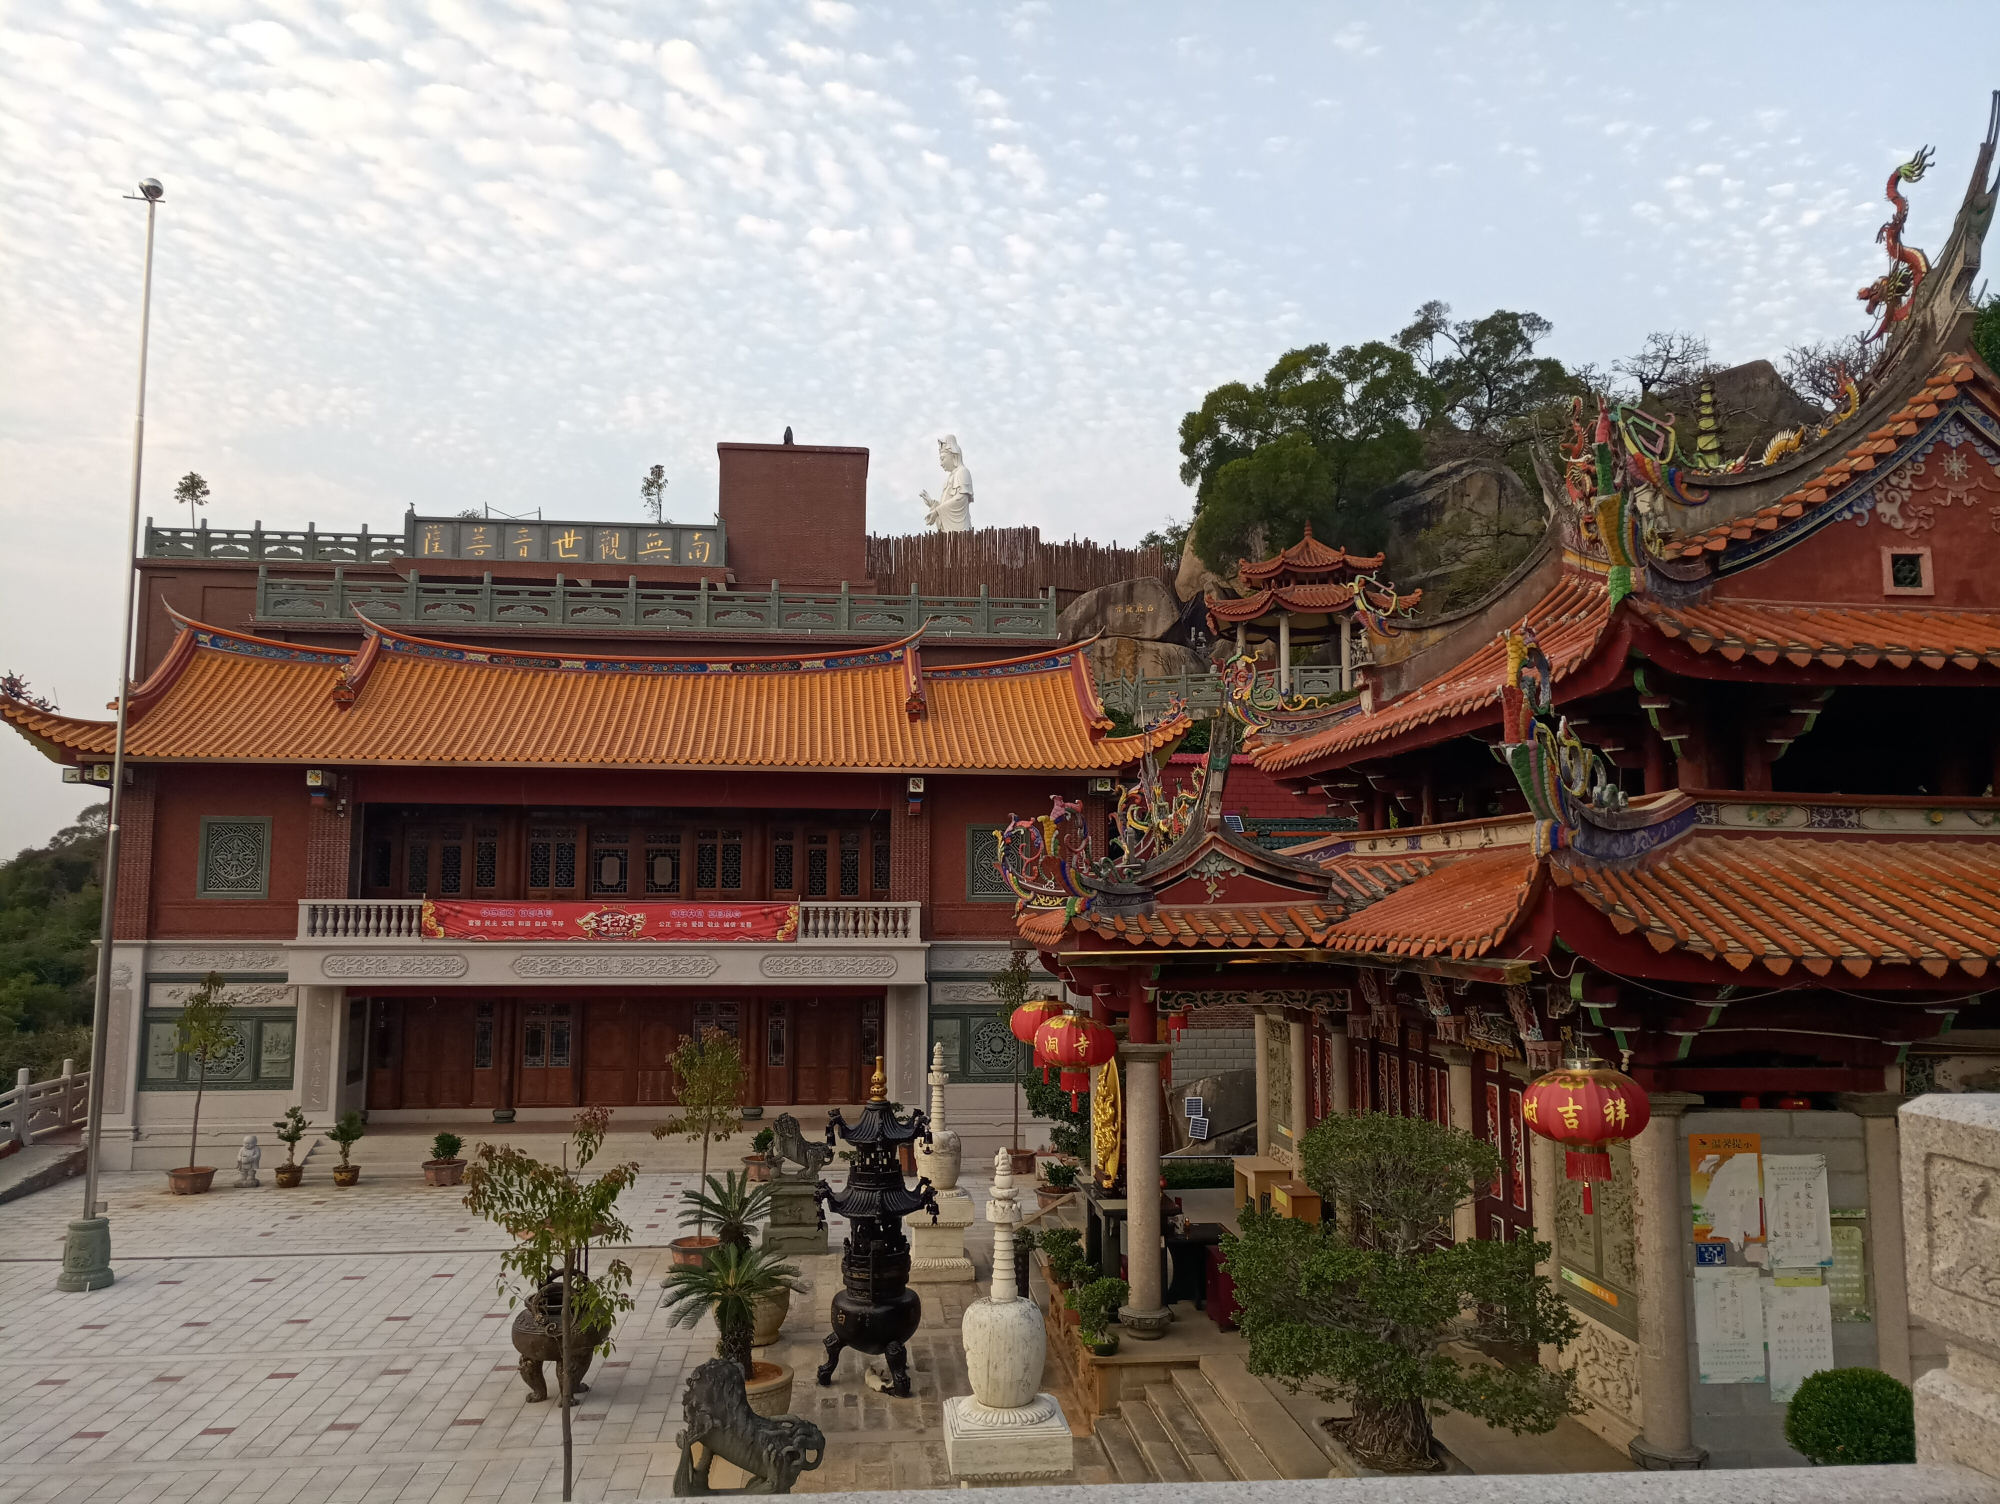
(1075, 1082)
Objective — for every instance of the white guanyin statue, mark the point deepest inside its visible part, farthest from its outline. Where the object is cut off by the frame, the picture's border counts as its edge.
(951, 512)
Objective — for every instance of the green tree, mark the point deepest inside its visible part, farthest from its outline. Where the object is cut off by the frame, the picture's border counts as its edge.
(653, 492)
(555, 1217)
(1362, 1306)
(711, 1075)
(49, 906)
(1986, 332)
(204, 1033)
(1481, 375)
(191, 492)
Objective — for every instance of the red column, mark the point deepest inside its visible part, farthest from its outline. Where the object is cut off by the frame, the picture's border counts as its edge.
(1143, 1019)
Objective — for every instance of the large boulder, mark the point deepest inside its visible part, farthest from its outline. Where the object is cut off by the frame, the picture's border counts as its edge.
(1143, 608)
(1197, 576)
(1466, 517)
(1139, 658)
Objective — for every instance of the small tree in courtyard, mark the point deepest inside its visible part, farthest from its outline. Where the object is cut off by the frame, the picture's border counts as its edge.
(711, 1076)
(204, 1036)
(1361, 1306)
(554, 1216)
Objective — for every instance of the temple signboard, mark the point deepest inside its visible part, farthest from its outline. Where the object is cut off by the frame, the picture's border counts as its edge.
(770, 923)
(584, 544)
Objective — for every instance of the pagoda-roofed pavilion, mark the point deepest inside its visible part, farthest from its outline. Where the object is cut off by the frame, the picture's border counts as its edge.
(1308, 593)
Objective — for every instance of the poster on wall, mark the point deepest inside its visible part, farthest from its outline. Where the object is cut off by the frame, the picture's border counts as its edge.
(1799, 1318)
(1725, 1181)
(765, 923)
(1728, 1325)
(1795, 1206)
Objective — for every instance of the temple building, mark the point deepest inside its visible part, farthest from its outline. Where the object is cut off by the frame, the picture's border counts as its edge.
(1706, 789)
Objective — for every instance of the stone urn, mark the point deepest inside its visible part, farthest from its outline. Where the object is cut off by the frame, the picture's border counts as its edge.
(538, 1339)
(190, 1180)
(757, 1167)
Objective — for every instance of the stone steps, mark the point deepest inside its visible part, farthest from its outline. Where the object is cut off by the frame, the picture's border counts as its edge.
(1121, 1451)
(1183, 1426)
(1257, 1413)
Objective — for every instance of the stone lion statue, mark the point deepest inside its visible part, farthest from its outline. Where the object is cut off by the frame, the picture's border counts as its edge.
(772, 1450)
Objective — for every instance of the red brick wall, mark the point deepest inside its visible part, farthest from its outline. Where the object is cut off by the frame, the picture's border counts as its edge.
(186, 793)
(795, 513)
(329, 833)
(135, 855)
(910, 857)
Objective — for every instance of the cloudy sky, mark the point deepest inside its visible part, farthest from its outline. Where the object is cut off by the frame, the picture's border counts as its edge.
(452, 253)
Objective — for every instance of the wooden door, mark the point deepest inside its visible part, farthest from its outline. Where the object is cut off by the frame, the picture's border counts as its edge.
(437, 1053)
(385, 1054)
(611, 1059)
(548, 1056)
(826, 1040)
(661, 1023)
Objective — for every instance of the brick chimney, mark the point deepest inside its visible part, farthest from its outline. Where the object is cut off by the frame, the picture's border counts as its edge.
(795, 513)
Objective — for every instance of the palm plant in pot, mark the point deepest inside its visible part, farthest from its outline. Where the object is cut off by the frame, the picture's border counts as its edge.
(205, 1036)
(731, 1285)
(444, 1167)
(731, 1205)
(710, 1075)
(347, 1132)
(292, 1128)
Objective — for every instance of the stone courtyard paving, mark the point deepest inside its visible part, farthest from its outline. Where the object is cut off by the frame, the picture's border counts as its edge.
(349, 1345)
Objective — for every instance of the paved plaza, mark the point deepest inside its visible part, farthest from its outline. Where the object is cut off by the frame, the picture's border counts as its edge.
(293, 1347)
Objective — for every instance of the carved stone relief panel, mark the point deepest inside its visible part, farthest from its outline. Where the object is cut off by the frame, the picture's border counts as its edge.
(1607, 1369)
(205, 959)
(834, 964)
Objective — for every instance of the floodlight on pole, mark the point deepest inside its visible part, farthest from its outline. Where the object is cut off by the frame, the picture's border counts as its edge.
(87, 1249)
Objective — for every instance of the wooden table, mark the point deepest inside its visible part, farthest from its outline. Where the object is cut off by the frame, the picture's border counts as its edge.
(1255, 1175)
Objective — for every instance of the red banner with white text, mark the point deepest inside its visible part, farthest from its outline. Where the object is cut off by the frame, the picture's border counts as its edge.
(767, 923)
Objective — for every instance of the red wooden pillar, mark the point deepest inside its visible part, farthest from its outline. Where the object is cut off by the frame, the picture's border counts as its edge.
(1658, 780)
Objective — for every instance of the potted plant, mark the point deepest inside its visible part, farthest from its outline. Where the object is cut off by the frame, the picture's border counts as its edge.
(347, 1132)
(444, 1167)
(758, 1161)
(205, 1036)
(729, 1286)
(1848, 1416)
(731, 1206)
(1096, 1307)
(1058, 1180)
(292, 1127)
(711, 1074)
(1064, 1261)
(554, 1215)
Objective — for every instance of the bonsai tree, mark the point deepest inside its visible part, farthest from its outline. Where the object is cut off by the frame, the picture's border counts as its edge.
(762, 1143)
(1059, 1176)
(729, 1284)
(445, 1146)
(711, 1075)
(1362, 1306)
(205, 1035)
(1096, 1306)
(1063, 1248)
(730, 1203)
(347, 1131)
(555, 1215)
(1843, 1416)
(292, 1128)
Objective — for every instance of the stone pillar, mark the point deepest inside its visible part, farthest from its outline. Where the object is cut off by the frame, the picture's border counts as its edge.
(1295, 1025)
(1285, 652)
(1662, 1236)
(1145, 1315)
(1458, 1098)
(1543, 1171)
(1951, 1186)
(1260, 1042)
(1889, 1290)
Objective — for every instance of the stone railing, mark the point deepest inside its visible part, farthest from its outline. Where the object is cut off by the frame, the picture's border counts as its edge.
(324, 919)
(33, 1110)
(424, 605)
(1144, 698)
(254, 543)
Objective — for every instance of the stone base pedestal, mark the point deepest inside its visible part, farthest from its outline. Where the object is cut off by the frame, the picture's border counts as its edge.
(794, 1227)
(86, 1261)
(937, 1251)
(998, 1448)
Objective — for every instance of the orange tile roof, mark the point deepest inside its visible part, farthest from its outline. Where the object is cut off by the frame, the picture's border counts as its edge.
(1465, 909)
(1815, 903)
(1306, 600)
(1235, 926)
(1570, 621)
(1308, 556)
(1863, 635)
(1941, 386)
(236, 698)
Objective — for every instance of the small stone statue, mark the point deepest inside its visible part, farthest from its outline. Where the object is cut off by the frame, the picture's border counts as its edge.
(247, 1159)
(952, 511)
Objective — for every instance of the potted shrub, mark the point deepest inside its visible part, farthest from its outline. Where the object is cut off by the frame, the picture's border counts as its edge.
(204, 1035)
(1848, 1416)
(444, 1167)
(554, 1216)
(710, 1074)
(758, 1161)
(730, 1286)
(1097, 1306)
(1064, 1261)
(731, 1206)
(292, 1127)
(1058, 1180)
(347, 1132)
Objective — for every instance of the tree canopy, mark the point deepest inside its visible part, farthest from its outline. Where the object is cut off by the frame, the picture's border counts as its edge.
(49, 907)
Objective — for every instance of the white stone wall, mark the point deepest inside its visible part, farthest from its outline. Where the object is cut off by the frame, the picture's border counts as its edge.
(1210, 1052)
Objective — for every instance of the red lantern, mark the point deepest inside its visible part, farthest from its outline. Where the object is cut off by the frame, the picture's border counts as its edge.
(1586, 1107)
(1078, 1045)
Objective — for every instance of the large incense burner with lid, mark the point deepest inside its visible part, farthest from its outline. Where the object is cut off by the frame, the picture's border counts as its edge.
(875, 1310)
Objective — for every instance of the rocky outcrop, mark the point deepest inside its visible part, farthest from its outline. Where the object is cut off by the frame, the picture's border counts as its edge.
(1455, 524)
(1143, 608)
(1140, 658)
